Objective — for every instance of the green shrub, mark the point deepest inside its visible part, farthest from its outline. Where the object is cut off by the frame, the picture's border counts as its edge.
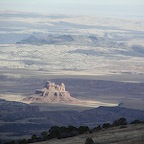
(106, 125)
(83, 129)
(119, 122)
(136, 122)
(89, 141)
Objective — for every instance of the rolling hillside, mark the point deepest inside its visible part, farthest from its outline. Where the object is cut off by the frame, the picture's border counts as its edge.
(133, 134)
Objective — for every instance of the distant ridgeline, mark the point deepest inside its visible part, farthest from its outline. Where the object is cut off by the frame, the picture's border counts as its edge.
(13, 107)
(85, 40)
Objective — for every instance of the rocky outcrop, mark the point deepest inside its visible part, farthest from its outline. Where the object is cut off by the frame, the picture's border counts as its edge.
(52, 93)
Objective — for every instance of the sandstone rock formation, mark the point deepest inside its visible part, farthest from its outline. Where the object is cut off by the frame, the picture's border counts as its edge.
(52, 93)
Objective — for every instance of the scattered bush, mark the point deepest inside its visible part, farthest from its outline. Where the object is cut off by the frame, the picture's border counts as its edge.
(70, 131)
(89, 141)
(123, 126)
(137, 122)
(83, 129)
(44, 135)
(54, 132)
(106, 125)
(119, 122)
(97, 128)
(23, 141)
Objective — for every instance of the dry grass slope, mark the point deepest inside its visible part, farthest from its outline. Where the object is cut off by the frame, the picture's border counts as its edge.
(133, 134)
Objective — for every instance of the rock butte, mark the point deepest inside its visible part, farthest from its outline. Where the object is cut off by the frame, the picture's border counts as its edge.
(52, 93)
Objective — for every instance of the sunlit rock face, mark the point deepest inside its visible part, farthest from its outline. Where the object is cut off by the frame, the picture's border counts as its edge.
(52, 93)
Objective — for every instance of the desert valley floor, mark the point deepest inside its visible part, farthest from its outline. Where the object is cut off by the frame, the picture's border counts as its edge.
(114, 89)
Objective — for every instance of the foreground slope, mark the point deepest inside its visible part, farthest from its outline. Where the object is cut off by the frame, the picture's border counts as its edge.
(132, 134)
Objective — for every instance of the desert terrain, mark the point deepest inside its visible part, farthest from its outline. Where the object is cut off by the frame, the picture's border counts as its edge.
(99, 59)
(99, 90)
(55, 43)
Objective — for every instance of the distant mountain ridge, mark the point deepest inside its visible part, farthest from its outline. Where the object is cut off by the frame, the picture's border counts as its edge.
(89, 117)
(85, 40)
(14, 107)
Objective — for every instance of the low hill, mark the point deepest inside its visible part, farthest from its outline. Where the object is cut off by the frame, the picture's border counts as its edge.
(132, 134)
(84, 40)
(21, 123)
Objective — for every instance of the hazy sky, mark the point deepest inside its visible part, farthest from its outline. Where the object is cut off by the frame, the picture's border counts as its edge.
(81, 7)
